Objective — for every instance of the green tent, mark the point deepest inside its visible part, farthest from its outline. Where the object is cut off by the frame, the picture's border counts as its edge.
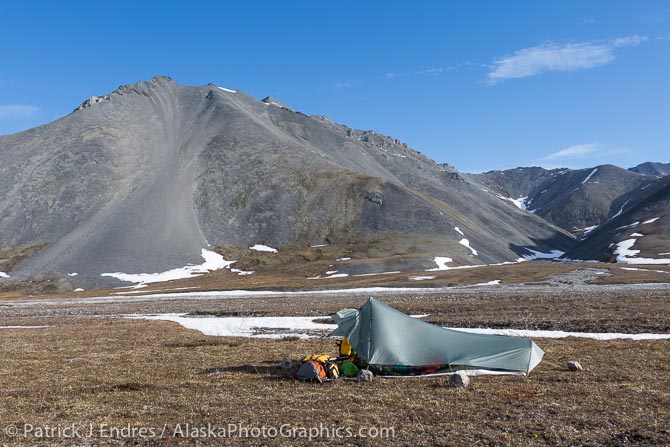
(394, 343)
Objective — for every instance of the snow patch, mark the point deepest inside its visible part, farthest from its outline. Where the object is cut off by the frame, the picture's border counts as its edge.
(458, 230)
(319, 245)
(650, 221)
(259, 247)
(620, 210)
(587, 230)
(330, 274)
(79, 290)
(637, 235)
(420, 278)
(343, 259)
(72, 274)
(495, 282)
(441, 262)
(213, 261)
(23, 327)
(626, 255)
(520, 202)
(553, 254)
(642, 270)
(4, 275)
(634, 224)
(588, 177)
(466, 243)
(563, 334)
(228, 90)
(242, 272)
(244, 326)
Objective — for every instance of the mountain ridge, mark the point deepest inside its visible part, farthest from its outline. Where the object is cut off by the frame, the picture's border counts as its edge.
(148, 177)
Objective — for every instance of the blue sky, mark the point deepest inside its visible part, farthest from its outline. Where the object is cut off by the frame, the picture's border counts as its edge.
(479, 84)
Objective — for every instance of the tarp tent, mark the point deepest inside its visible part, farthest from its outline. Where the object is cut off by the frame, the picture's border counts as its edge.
(394, 343)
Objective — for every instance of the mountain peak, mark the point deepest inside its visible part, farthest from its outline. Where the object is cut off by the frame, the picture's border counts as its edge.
(652, 168)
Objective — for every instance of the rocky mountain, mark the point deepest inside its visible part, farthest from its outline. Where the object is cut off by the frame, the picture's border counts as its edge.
(154, 175)
(638, 234)
(652, 168)
(576, 200)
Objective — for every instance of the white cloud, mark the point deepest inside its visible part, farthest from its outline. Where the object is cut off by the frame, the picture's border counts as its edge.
(578, 150)
(558, 57)
(18, 111)
(629, 41)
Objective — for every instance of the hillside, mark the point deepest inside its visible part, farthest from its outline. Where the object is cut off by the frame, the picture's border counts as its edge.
(576, 200)
(147, 177)
(652, 168)
(636, 235)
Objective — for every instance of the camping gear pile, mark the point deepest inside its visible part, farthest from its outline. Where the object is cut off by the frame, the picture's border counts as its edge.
(387, 342)
(323, 367)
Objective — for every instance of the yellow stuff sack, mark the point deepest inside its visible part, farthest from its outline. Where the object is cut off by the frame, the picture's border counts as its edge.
(345, 347)
(321, 358)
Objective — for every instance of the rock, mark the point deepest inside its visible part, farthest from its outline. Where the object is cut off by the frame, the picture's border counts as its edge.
(286, 363)
(364, 375)
(375, 197)
(575, 366)
(91, 101)
(459, 380)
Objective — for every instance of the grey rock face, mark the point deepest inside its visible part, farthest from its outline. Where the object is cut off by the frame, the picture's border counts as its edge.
(144, 179)
(365, 375)
(575, 366)
(91, 101)
(459, 380)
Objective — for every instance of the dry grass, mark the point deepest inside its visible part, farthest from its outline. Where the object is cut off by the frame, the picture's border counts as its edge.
(151, 373)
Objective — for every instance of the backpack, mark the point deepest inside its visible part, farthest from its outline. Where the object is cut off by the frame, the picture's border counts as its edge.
(318, 367)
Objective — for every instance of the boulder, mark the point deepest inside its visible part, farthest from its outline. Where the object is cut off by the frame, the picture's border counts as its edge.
(459, 380)
(575, 366)
(364, 375)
